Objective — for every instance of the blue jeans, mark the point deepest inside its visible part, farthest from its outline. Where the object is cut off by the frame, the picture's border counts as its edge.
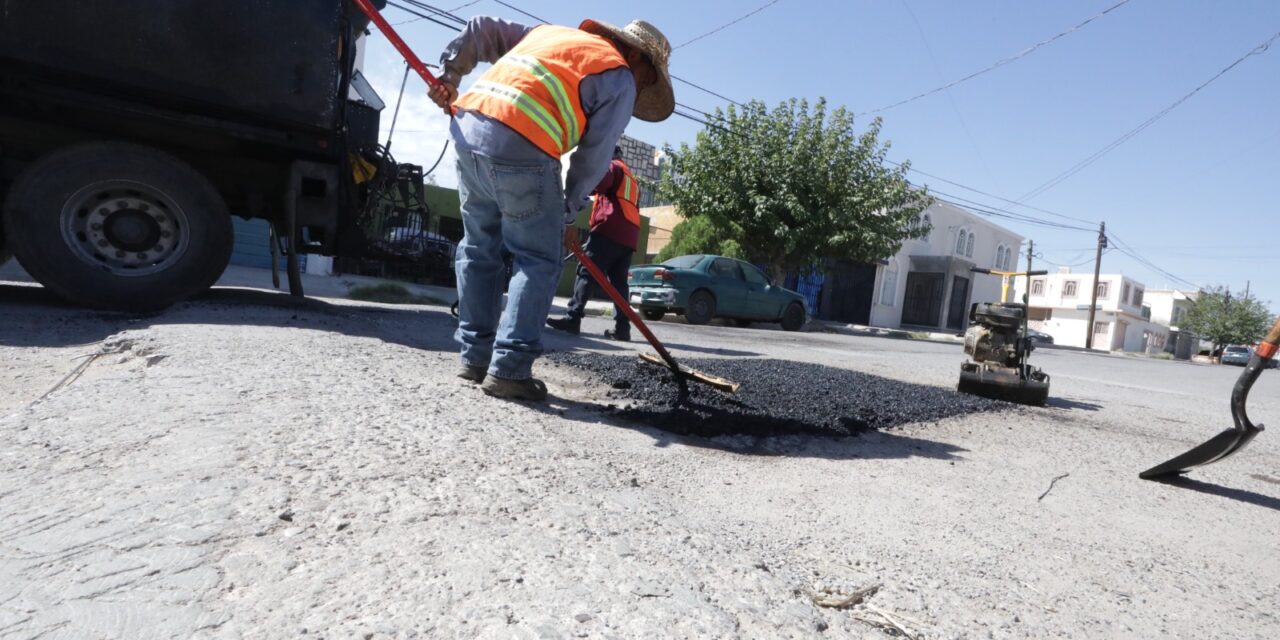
(521, 208)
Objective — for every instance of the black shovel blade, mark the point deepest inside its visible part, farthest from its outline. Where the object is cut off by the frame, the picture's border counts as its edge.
(1217, 448)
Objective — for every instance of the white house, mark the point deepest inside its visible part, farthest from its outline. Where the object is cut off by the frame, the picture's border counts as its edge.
(927, 284)
(1169, 307)
(1059, 306)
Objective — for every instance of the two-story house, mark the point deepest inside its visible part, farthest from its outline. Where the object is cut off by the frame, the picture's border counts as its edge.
(1059, 306)
(928, 285)
(1170, 307)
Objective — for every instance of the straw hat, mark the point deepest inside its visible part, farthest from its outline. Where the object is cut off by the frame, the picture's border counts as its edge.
(655, 102)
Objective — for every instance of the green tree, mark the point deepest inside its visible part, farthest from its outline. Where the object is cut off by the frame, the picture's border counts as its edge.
(791, 187)
(1224, 319)
(700, 235)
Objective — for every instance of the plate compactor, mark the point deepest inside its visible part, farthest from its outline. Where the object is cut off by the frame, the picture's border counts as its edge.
(998, 347)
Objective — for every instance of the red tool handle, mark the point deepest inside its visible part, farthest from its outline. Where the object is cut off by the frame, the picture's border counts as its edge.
(369, 10)
(626, 308)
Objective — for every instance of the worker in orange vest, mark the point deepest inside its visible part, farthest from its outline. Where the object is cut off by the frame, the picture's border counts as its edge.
(615, 228)
(551, 90)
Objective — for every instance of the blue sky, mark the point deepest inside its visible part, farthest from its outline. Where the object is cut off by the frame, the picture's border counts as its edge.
(1189, 193)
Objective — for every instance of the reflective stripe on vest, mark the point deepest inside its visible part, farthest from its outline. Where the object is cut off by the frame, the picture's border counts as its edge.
(534, 87)
(628, 195)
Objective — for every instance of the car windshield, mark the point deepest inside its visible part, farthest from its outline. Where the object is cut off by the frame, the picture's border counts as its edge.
(683, 262)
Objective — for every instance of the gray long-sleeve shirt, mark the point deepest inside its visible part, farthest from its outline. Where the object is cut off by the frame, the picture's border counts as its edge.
(608, 100)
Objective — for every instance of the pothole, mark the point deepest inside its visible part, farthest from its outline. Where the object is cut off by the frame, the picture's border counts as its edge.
(777, 397)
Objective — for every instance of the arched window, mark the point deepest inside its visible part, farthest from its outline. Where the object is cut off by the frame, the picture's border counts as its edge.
(960, 240)
(889, 283)
(1000, 257)
(968, 248)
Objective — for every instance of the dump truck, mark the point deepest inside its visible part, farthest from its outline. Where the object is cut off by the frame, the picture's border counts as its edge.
(131, 131)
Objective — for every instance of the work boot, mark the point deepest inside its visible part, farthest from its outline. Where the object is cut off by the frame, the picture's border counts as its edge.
(565, 324)
(472, 372)
(620, 336)
(527, 389)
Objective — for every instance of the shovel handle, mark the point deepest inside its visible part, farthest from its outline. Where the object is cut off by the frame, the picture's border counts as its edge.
(603, 281)
(409, 56)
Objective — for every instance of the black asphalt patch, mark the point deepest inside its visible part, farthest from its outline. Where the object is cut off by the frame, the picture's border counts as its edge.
(777, 397)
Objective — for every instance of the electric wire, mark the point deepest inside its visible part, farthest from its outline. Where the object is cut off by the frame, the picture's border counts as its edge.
(731, 23)
(1080, 166)
(421, 16)
(999, 63)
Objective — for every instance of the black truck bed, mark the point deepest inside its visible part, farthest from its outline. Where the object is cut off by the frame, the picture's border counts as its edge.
(265, 62)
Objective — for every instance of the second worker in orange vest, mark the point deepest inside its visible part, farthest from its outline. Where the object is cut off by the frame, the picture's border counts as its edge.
(615, 227)
(551, 90)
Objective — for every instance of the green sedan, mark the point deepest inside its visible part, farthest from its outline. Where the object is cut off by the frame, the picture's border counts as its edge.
(704, 287)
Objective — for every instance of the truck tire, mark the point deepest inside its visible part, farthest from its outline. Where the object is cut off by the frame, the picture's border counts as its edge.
(118, 226)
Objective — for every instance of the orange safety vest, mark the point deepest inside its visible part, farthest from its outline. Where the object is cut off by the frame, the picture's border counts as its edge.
(533, 88)
(628, 195)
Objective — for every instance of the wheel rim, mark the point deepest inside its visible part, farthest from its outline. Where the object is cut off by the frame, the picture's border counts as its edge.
(125, 228)
(700, 307)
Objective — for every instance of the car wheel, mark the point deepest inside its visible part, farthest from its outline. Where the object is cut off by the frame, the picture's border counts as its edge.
(701, 309)
(653, 315)
(793, 318)
(118, 226)
(742, 322)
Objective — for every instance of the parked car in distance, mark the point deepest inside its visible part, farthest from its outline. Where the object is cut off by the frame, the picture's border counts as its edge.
(1039, 337)
(1236, 355)
(702, 287)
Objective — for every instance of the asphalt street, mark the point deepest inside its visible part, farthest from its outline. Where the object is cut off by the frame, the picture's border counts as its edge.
(250, 465)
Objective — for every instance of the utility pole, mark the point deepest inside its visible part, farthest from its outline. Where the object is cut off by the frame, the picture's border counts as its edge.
(1026, 295)
(1246, 289)
(1097, 270)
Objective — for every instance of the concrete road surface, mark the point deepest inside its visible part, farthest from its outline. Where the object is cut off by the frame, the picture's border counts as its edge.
(247, 466)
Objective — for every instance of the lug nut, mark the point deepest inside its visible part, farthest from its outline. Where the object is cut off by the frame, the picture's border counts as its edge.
(104, 211)
(143, 206)
(142, 256)
(102, 243)
(120, 254)
(96, 227)
(121, 204)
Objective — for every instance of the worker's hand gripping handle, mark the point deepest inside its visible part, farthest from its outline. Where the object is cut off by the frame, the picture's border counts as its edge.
(409, 56)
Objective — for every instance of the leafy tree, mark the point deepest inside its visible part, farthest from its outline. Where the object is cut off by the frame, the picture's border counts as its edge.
(791, 187)
(700, 235)
(1224, 319)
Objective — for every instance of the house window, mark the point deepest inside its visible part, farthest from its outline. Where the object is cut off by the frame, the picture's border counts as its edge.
(927, 221)
(968, 249)
(1124, 294)
(1002, 258)
(889, 284)
(1101, 328)
(1069, 289)
(1137, 296)
(1037, 287)
(1177, 314)
(960, 239)
(1103, 289)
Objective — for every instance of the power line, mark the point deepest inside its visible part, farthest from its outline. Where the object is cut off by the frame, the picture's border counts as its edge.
(521, 11)
(1079, 166)
(731, 23)
(705, 90)
(992, 195)
(999, 63)
(1127, 249)
(423, 16)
